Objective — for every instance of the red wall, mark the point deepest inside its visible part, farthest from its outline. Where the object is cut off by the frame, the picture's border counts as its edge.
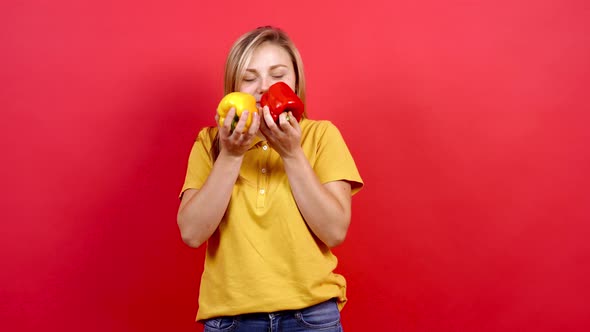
(468, 121)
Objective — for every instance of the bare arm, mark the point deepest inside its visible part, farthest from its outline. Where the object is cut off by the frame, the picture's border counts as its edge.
(326, 208)
(201, 211)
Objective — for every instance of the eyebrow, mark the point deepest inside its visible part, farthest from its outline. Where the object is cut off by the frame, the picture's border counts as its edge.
(271, 68)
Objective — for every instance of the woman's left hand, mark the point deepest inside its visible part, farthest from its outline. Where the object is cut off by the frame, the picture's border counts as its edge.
(285, 138)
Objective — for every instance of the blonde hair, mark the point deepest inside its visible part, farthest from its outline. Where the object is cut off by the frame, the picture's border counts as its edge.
(239, 57)
(241, 53)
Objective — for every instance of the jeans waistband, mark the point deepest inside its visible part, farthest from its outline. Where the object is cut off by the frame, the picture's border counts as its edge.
(267, 315)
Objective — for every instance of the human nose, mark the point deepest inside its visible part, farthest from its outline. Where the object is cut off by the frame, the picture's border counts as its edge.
(265, 83)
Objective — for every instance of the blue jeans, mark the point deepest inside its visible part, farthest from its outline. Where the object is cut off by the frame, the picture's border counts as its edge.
(323, 317)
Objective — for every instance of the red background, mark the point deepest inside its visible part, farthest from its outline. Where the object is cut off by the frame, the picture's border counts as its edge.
(468, 121)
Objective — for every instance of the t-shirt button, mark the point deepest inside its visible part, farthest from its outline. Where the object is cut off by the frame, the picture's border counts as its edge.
(261, 191)
(265, 147)
(263, 171)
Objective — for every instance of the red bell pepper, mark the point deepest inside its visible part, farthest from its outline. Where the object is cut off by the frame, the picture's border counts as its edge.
(280, 98)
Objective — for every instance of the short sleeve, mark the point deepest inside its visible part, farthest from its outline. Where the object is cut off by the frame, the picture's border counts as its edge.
(334, 161)
(199, 162)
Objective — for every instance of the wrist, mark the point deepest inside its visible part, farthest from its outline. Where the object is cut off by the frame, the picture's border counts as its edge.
(295, 155)
(227, 156)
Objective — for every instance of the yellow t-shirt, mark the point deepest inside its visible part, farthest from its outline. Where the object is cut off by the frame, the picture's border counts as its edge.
(263, 257)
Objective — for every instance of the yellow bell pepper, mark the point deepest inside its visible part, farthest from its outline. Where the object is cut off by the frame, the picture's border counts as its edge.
(241, 101)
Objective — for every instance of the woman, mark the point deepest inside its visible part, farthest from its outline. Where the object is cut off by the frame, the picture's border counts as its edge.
(270, 201)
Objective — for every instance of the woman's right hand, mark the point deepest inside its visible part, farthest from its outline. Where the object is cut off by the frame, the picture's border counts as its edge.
(236, 143)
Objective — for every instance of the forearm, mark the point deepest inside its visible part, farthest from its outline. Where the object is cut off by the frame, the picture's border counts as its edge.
(327, 213)
(200, 215)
